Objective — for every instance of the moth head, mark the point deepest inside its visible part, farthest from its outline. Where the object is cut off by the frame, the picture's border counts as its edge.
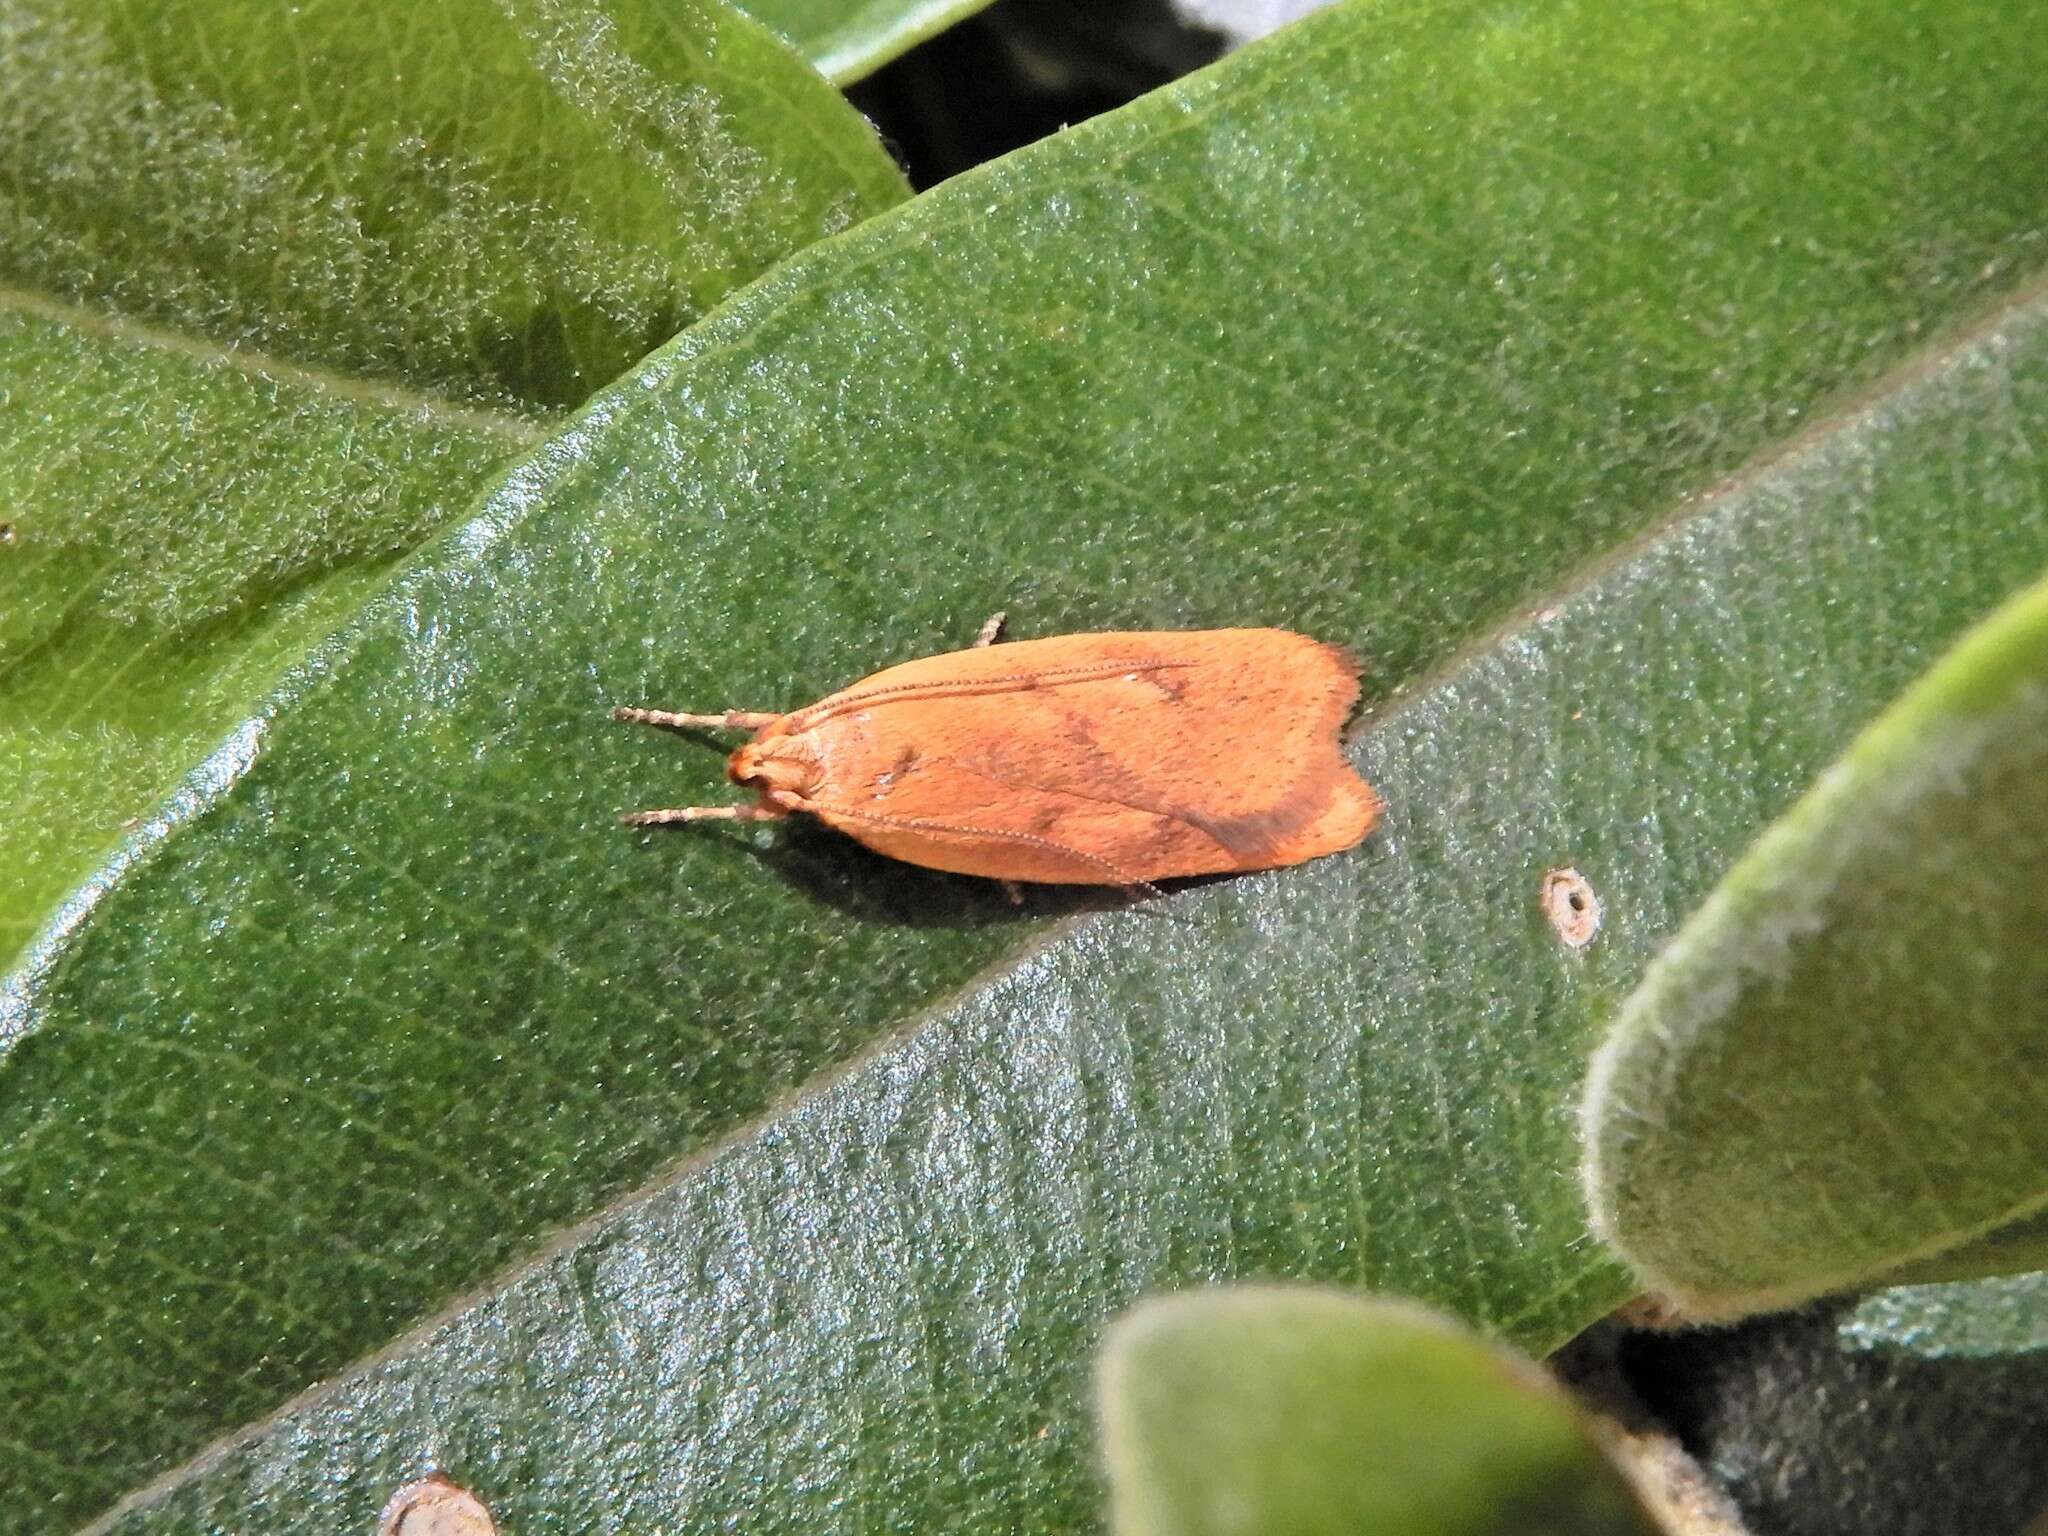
(768, 766)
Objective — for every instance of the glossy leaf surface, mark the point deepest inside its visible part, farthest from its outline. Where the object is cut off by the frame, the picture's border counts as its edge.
(1361, 1071)
(1221, 357)
(2004, 1315)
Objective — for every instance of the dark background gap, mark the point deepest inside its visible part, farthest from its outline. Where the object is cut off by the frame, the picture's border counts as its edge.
(1022, 69)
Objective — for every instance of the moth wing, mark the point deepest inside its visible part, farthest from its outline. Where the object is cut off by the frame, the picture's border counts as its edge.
(1108, 758)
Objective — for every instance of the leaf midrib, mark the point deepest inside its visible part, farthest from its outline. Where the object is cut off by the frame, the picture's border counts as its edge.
(514, 429)
(1853, 405)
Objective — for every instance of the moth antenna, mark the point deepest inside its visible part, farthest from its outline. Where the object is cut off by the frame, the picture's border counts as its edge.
(727, 720)
(741, 812)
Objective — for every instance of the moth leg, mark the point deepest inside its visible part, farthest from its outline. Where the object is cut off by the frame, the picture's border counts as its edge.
(746, 812)
(991, 631)
(731, 719)
(1015, 892)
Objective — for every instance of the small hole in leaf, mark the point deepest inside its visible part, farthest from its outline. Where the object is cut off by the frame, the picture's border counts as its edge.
(434, 1506)
(1571, 907)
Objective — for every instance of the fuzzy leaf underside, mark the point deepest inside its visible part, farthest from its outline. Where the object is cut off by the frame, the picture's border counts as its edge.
(507, 204)
(182, 530)
(257, 265)
(1262, 1409)
(846, 40)
(1901, 903)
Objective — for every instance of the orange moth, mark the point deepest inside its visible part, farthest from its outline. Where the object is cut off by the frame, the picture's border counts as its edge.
(1108, 759)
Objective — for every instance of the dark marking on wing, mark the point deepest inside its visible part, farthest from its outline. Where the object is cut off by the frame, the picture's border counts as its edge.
(1262, 831)
(1049, 816)
(1170, 688)
(1078, 727)
(906, 761)
(1253, 836)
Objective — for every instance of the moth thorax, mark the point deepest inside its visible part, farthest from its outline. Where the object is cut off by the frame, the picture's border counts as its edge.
(783, 764)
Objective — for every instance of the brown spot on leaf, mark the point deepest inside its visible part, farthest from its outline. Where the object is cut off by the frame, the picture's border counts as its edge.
(1571, 907)
(434, 1506)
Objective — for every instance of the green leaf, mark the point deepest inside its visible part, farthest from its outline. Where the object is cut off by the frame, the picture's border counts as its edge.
(2011, 1249)
(181, 529)
(879, 1298)
(506, 203)
(1972, 1319)
(1263, 1410)
(847, 39)
(1226, 356)
(1901, 903)
(410, 208)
